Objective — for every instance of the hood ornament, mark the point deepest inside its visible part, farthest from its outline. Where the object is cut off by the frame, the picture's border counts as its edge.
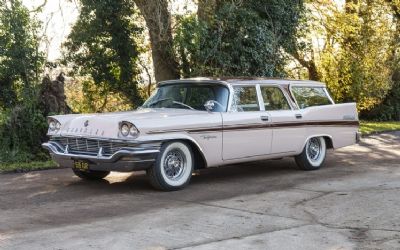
(86, 123)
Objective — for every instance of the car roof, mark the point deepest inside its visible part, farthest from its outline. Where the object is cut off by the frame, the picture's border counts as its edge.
(242, 81)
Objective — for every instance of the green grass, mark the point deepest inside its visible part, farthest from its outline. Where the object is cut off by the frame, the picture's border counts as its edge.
(367, 127)
(26, 166)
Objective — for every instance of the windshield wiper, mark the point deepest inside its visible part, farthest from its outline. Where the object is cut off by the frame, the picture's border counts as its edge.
(185, 105)
(166, 99)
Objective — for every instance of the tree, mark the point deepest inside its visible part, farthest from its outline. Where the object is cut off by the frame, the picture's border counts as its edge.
(349, 45)
(22, 123)
(20, 59)
(158, 21)
(302, 49)
(389, 109)
(245, 38)
(102, 44)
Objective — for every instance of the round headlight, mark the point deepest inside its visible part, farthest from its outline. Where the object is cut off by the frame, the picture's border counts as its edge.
(133, 131)
(125, 129)
(52, 125)
(58, 125)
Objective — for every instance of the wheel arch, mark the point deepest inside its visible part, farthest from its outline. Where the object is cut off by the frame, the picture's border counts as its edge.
(328, 140)
(198, 154)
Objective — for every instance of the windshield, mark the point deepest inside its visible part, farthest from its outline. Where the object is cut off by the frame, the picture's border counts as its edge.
(189, 96)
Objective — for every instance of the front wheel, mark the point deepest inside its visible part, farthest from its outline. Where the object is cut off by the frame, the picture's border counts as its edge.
(173, 168)
(313, 155)
(91, 174)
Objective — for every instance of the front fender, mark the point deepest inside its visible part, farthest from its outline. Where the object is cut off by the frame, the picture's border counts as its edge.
(209, 144)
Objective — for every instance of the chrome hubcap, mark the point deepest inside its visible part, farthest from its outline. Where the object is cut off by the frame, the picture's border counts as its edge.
(174, 164)
(314, 149)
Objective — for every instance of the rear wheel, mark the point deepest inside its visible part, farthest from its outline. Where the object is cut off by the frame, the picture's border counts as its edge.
(173, 168)
(313, 155)
(91, 174)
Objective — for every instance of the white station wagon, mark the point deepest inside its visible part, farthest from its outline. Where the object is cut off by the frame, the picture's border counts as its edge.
(206, 122)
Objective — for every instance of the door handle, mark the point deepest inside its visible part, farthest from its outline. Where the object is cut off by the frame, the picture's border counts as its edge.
(264, 118)
(298, 116)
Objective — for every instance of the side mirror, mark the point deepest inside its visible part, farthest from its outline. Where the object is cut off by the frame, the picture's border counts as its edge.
(209, 105)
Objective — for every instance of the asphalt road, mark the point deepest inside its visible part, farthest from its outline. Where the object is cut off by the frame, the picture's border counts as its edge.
(352, 203)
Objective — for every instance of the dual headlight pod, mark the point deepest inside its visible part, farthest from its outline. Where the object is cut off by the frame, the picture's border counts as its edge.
(54, 125)
(127, 129)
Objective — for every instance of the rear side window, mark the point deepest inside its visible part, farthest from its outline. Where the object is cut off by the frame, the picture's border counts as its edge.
(245, 99)
(274, 99)
(310, 96)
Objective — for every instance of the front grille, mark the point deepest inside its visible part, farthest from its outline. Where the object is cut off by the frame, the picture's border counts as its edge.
(91, 146)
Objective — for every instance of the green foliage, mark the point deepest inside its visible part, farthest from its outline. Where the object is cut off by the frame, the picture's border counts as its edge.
(388, 110)
(84, 96)
(22, 130)
(364, 38)
(22, 124)
(20, 60)
(243, 39)
(351, 46)
(102, 45)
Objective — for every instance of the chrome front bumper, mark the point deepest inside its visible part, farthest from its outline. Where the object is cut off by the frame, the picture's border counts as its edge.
(124, 160)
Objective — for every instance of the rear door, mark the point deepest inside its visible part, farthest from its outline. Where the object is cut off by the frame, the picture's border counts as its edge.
(246, 131)
(288, 134)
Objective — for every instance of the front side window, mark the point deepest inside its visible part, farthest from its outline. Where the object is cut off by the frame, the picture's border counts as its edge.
(189, 96)
(310, 96)
(274, 98)
(245, 99)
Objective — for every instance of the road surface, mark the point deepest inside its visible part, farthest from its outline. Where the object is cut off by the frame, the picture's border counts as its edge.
(351, 203)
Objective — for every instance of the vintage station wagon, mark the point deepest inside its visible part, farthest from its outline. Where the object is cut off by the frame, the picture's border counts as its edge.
(206, 122)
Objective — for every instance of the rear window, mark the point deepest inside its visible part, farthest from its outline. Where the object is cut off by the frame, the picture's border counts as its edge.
(274, 99)
(310, 96)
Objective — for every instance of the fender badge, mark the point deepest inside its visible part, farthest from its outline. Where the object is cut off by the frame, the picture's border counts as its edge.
(86, 123)
(208, 137)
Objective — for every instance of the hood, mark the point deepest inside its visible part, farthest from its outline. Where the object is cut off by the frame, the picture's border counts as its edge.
(107, 124)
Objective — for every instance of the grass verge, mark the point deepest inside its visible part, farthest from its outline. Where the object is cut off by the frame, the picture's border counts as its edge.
(369, 127)
(26, 166)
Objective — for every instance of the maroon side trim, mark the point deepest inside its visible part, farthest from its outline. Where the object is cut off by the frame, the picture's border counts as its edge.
(316, 123)
(259, 126)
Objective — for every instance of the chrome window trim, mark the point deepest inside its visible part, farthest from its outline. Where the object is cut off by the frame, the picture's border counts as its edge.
(282, 91)
(260, 98)
(328, 95)
(323, 86)
(248, 86)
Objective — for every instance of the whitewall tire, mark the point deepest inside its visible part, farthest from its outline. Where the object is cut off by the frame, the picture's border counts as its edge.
(173, 168)
(313, 155)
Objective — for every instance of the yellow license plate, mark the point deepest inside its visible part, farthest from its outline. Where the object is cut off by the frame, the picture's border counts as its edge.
(81, 165)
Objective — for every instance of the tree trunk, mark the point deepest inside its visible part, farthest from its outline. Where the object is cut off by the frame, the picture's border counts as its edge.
(313, 73)
(52, 96)
(158, 21)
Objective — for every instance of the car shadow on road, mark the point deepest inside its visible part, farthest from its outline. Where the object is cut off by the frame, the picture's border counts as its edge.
(208, 184)
(64, 199)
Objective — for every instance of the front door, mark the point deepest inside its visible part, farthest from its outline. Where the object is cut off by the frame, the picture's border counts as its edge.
(246, 131)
